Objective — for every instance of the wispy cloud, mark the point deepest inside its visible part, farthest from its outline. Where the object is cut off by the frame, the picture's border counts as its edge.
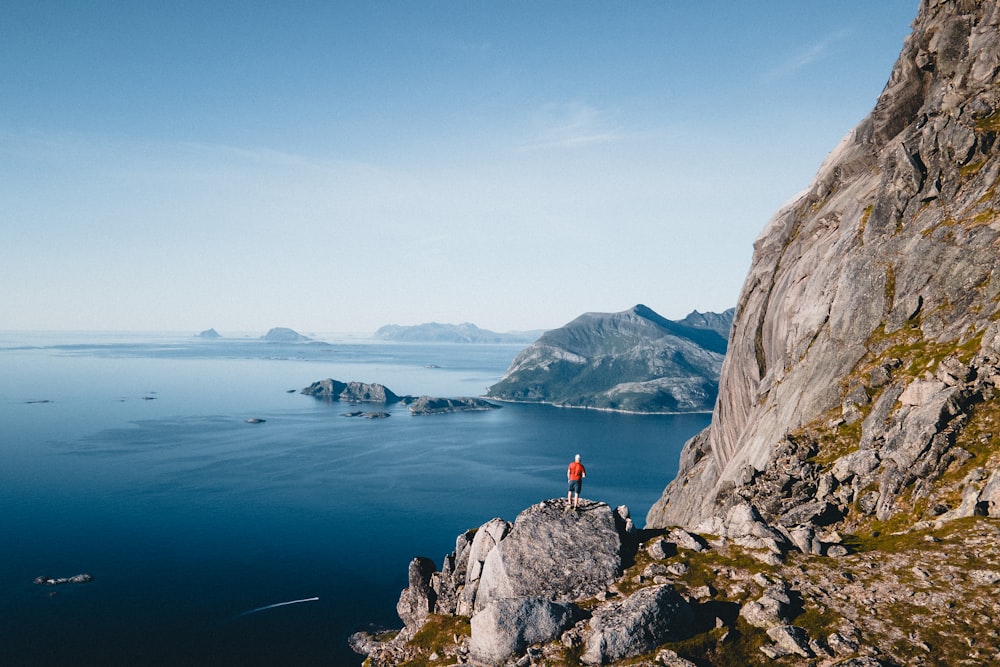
(571, 125)
(805, 57)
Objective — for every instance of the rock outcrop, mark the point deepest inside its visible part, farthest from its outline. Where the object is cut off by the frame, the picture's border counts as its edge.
(842, 507)
(555, 554)
(634, 361)
(644, 620)
(352, 392)
(365, 392)
(741, 594)
(866, 332)
(284, 335)
(522, 583)
(418, 599)
(429, 405)
(508, 626)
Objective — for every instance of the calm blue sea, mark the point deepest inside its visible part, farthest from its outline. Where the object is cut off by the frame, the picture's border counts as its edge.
(129, 457)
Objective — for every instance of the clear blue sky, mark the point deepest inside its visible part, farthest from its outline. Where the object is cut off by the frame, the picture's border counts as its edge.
(337, 166)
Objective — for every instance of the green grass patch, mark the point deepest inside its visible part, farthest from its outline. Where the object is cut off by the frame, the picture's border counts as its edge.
(817, 622)
(721, 647)
(387, 636)
(979, 437)
(831, 443)
(864, 218)
(989, 124)
(916, 353)
(984, 218)
(971, 169)
(438, 633)
(885, 537)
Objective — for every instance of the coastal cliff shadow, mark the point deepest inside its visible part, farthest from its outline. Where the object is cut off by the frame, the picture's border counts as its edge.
(708, 613)
(631, 542)
(796, 604)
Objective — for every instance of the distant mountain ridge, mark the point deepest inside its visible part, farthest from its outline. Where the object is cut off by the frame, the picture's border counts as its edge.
(284, 335)
(434, 332)
(634, 361)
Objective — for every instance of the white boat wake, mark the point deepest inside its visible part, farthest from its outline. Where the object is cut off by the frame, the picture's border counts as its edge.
(279, 604)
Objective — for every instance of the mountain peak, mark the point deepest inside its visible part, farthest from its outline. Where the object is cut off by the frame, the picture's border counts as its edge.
(635, 360)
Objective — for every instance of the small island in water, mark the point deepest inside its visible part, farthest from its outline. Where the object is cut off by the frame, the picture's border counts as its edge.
(363, 392)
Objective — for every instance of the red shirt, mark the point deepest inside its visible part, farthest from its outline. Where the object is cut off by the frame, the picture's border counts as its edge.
(576, 470)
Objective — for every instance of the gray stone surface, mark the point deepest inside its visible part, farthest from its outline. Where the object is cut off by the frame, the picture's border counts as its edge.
(508, 626)
(660, 548)
(553, 553)
(418, 598)
(767, 611)
(893, 242)
(486, 538)
(791, 639)
(644, 620)
(685, 540)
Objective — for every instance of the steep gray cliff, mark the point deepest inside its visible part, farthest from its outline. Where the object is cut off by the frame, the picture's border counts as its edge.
(864, 291)
(635, 361)
(843, 504)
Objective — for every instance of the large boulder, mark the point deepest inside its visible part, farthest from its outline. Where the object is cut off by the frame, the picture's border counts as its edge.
(485, 539)
(507, 627)
(639, 623)
(555, 554)
(744, 526)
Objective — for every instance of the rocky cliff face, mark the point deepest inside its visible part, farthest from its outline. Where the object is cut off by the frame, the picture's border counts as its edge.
(842, 507)
(635, 361)
(543, 589)
(862, 366)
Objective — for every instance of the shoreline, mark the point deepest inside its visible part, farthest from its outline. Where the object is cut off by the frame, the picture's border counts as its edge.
(587, 407)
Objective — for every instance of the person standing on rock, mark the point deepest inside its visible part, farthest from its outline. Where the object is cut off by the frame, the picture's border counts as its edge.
(575, 475)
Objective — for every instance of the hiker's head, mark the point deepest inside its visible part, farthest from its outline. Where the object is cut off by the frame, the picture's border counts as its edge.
(577, 457)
